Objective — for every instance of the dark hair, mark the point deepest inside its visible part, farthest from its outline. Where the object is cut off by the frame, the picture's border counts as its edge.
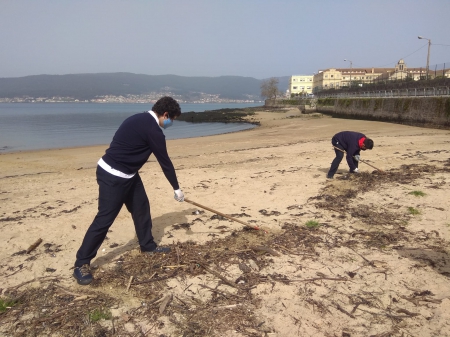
(167, 104)
(368, 143)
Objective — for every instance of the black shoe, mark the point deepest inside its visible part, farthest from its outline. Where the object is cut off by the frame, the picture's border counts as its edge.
(329, 177)
(157, 250)
(83, 274)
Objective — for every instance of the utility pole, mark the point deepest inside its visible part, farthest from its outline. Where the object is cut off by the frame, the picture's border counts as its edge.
(428, 56)
(351, 68)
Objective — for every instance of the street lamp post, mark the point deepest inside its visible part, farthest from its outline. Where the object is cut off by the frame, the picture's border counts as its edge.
(428, 56)
(351, 67)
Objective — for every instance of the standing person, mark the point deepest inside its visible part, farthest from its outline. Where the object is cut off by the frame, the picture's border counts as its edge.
(350, 142)
(119, 182)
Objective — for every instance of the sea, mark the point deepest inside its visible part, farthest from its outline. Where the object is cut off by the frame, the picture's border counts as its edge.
(37, 126)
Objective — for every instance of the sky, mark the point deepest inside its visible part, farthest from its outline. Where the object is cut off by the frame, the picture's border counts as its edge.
(252, 38)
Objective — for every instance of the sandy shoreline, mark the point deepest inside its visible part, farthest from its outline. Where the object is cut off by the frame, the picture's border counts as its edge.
(52, 195)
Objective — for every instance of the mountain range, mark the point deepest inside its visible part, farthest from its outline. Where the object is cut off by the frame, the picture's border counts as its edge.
(90, 86)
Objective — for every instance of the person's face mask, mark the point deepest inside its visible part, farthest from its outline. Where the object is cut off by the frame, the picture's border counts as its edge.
(167, 122)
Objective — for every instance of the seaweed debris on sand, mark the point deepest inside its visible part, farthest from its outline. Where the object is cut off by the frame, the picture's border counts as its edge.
(228, 115)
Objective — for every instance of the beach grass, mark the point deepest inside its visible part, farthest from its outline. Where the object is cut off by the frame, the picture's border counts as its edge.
(413, 211)
(312, 224)
(6, 303)
(417, 193)
(99, 314)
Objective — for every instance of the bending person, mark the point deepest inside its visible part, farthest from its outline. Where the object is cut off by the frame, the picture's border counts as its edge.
(350, 142)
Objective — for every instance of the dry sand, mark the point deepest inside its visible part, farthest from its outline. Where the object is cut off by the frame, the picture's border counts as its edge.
(373, 268)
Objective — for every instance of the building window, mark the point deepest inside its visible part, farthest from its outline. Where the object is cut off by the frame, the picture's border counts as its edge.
(294, 88)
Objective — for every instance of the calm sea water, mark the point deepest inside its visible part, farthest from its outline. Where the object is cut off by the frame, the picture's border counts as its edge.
(26, 126)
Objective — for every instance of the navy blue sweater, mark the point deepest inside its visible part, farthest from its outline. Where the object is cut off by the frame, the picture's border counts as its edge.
(349, 141)
(136, 139)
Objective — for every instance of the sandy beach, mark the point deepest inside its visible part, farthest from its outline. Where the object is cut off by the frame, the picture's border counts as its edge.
(373, 261)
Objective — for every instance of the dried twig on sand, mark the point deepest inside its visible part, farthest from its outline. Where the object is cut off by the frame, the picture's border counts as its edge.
(34, 246)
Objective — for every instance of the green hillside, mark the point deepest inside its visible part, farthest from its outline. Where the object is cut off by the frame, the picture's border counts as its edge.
(89, 86)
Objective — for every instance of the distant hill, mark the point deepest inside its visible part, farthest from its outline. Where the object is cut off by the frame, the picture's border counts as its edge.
(89, 86)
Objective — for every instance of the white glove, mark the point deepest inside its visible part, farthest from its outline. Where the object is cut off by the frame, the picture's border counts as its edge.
(178, 195)
(357, 157)
(356, 170)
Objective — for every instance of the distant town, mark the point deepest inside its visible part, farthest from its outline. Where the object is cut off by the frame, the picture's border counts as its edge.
(133, 88)
(147, 98)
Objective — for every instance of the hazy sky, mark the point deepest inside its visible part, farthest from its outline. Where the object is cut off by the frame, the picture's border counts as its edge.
(256, 38)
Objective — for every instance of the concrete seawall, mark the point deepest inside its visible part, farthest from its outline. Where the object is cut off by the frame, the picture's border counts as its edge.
(424, 111)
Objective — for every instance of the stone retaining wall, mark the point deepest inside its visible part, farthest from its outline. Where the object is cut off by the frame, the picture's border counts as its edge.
(427, 111)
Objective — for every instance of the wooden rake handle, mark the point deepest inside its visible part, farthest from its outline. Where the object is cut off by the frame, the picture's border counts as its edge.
(220, 213)
(362, 161)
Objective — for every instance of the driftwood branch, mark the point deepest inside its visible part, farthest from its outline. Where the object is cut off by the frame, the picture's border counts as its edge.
(321, 278)
(338, 307)
(293, 252)
(265, 249)
(230, 306)
(49, 318)
(409, 313)
(34, 246)
(129, 282)
(231, 284)
(417, 300)
(40, 279)
(67, 291)
(155, 279)
(368, 261)
(165, 303)
(223, 293)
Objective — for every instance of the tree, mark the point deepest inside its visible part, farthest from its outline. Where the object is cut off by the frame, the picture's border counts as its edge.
(269, 88)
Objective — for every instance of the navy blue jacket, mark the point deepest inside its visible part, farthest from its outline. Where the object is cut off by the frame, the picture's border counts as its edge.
(349, 141)
(136, 139)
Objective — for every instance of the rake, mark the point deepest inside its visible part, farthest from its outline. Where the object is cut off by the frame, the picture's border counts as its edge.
(362, 161)
(221, 214)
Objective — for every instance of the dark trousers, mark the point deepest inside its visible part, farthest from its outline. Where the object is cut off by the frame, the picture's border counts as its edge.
(113, 193)
(337, 160)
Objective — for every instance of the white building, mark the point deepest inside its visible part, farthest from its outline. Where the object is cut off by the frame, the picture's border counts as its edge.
(300, 85)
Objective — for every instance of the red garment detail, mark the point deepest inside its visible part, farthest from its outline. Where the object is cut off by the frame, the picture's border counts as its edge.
(361, 142)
